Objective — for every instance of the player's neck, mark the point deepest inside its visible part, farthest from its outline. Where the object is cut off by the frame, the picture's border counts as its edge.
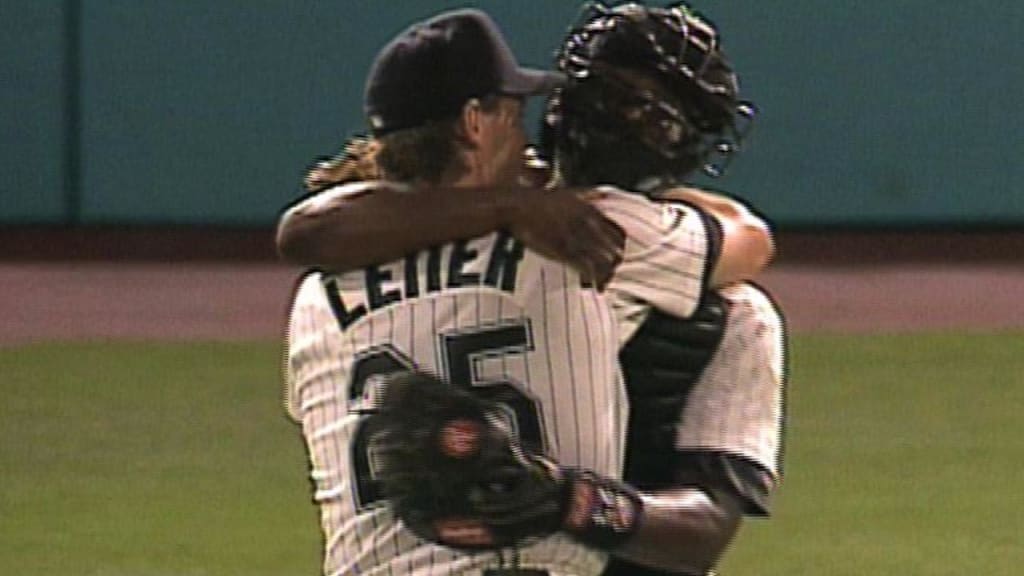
(473, 171)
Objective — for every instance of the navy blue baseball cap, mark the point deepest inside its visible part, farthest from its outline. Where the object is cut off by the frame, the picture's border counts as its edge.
(429, 71)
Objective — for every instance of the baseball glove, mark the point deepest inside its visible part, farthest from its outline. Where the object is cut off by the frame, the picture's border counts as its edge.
(454, 472)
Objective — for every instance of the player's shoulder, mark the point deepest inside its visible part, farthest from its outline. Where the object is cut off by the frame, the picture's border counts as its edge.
(616, 199)
(627, 206)
(753, 301)
(331, 196)
(646, 201)
(749, 291)
(308, 287)
(675, 196)
(352, 189)
(620, 194)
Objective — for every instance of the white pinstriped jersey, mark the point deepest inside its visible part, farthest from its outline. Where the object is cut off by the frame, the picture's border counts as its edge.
(737, 404)
(486, 314)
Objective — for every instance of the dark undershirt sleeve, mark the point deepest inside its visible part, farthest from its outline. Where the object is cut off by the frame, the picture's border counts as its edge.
(751, 484)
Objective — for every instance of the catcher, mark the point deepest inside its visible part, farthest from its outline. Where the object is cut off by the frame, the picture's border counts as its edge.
(652, 98)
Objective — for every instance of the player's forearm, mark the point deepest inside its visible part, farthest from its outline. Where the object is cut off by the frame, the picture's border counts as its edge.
(683, 530)
(344, 231)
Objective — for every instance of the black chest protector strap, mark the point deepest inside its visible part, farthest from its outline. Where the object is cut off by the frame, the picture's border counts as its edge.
(661, 364)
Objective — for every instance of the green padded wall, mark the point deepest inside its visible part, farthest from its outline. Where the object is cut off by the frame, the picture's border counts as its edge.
(901, 113)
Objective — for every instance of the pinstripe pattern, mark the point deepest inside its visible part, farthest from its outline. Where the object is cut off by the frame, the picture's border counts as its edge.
(568, 368)
(664, 260)
(736, 406)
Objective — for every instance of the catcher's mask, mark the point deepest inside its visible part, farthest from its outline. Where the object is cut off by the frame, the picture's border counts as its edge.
(651, 98)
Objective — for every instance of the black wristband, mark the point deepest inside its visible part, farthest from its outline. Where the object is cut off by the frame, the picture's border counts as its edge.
(600, 512)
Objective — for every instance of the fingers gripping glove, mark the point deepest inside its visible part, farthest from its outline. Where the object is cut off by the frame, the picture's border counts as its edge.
(456, 475)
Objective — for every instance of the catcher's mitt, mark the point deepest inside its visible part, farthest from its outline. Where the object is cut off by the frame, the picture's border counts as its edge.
(454, 472)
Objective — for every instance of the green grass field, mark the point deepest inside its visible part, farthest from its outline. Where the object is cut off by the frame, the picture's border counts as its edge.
(905, 455)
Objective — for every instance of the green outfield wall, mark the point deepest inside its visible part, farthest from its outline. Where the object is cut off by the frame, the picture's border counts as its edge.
(197, 112)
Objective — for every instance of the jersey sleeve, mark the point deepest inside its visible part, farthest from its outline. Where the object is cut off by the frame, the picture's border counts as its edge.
(746, 481)
(737, 406)
(666, 258)
(714, 234)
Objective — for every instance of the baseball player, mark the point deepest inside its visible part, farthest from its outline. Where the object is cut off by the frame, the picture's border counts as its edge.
(483, 313)
(711, 414)
(712, 418)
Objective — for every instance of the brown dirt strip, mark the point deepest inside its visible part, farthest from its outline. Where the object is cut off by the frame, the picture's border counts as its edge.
(243, 301)
(904, 298)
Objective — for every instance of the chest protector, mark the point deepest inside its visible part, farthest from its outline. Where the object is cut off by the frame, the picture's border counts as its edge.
(662, 363)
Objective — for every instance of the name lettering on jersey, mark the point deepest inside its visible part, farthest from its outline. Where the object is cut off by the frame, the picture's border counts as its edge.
(460, 260)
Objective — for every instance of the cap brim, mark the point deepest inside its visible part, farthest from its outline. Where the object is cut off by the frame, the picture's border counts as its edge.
(532, 82)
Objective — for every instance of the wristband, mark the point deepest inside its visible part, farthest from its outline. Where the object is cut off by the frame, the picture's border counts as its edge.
(599, 511)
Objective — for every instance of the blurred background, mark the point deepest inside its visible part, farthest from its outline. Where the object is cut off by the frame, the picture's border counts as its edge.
(157, 112)
(149, 145)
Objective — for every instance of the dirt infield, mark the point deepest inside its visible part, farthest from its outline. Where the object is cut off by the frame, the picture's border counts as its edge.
(241, 301)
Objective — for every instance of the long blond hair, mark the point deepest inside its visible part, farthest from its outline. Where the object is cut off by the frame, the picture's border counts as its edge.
(356, 162)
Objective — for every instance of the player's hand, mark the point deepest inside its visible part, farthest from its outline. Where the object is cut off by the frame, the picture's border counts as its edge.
(564, 225)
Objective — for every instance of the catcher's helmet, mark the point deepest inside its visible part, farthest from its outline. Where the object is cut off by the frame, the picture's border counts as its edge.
(651, 97)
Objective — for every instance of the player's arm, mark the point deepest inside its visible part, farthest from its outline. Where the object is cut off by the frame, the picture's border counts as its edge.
(683, 530)
(457, 476)
(748, 380)
(686, 528)
(362, 223)
(358, 224)
(745, 244)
